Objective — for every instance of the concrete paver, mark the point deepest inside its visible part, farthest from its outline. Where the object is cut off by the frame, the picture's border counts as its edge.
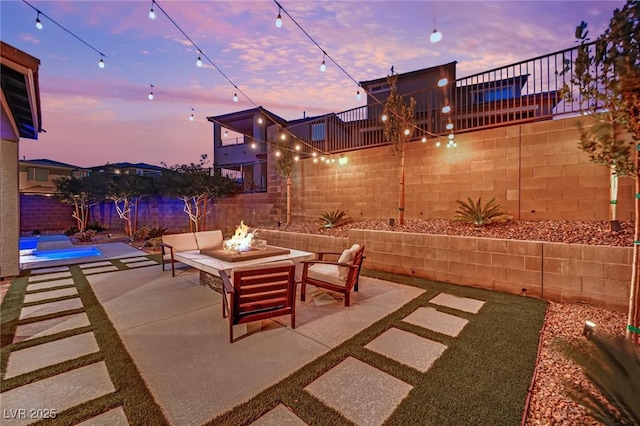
(133, 259)
(50, 308)
(114, 417)
(48, 270)
(140, 264)
(57, 393)
(35, 357)
(407, 348)
(49, 276)
(95, 264)
(44, 295)
(100, 269)
(50, 326)
(50, 284)
(439, 322)
(279, 416)
(360, 392)
(465, 304)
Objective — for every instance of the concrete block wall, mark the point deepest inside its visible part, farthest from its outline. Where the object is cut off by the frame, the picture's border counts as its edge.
(598, 275)
(536, 170)
(44, 213)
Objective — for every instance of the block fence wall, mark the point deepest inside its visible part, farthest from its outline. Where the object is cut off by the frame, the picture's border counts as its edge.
(598, 275)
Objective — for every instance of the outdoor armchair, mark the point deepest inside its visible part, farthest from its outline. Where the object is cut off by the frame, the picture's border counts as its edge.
(341, 276)
(257, 292)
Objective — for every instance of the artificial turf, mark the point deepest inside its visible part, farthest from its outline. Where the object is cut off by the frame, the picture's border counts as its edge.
(481, 379)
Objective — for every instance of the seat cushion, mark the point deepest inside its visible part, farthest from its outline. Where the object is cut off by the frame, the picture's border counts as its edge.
(181, 242)
(209, 239)
(327, 273)
(347, 256)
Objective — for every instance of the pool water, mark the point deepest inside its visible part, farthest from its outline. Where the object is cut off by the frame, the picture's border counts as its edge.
(62, 254)
(56, 248)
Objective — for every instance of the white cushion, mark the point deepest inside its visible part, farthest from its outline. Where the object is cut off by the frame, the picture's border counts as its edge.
(209, 239)
(347, 256)
(181, 242)
(327, 273)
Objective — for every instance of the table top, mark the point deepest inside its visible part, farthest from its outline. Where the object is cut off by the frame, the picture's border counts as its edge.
(213, 266)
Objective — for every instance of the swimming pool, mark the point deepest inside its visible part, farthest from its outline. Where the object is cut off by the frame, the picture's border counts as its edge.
(60, 254)
(55, 250)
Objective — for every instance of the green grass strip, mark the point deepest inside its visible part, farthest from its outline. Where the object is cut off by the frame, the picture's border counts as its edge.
(482, 378)
(9, 317)
(131, 390)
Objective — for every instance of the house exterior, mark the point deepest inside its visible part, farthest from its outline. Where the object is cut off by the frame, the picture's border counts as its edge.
(21, 118)
(36, 177)
(240, 148)
(140, 169)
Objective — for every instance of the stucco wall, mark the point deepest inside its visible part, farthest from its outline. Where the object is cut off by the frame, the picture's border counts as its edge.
(9, 209)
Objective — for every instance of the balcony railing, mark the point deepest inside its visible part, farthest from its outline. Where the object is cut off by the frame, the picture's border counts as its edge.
(248, 177)
(521, 92)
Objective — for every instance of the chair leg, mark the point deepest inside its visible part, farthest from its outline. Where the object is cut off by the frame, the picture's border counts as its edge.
(230, 330)
(303, 291)
(347, 298)
(173, 268)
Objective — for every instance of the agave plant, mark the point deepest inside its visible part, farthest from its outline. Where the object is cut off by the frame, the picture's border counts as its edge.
(334, 218)
(612, 366)
(478, 215)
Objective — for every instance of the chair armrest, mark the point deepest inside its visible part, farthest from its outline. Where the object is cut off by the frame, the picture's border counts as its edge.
(226, 282)
(326, 262)
(169, 246)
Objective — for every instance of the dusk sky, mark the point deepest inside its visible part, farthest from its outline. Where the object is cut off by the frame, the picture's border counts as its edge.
(93, 116)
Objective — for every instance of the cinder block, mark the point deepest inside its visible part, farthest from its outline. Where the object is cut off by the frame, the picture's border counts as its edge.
(509, 261)
(521, 277)
(561, 281)
(605, 288)
(617, 272)
(563, 251)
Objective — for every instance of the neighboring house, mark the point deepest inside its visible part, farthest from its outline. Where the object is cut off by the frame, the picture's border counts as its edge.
(240, 148)
(21, 118)
(36, 176)
(141, 169)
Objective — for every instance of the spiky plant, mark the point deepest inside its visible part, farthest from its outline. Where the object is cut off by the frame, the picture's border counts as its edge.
(478, 215)
(334, 218)
(612, 366)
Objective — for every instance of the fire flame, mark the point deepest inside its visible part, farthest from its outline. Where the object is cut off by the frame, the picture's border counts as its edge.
(241, 239)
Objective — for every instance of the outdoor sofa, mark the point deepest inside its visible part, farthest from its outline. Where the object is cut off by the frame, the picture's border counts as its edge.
(188, 241)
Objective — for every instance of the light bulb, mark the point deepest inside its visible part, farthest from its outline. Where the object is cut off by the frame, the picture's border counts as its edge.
(226, 133)
(150, 96)
(343, 160)
(384, 117)
(260, 120)
(436, 36)
(253, 145)
(424, 140)
(283, 136)
(199, 62)
(407, 132)
(297, 147)
(323, 66)
(446, 109)
(279, 20)
(438, 144)
(296, 158)
(449, 146)
(278, 153)
(191, 118)
(152, 13)
(38, 22)
(101, 63)
(315, 160)
(451, 136)
(443, 82)
(235, 97)
(333, 160)
(322, 158)
(449, 126)
(358, 95)
(455, 144)
(314, 154)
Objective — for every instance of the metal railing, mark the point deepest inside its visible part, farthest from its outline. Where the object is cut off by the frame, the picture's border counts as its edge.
(525, 91)
(249, 177)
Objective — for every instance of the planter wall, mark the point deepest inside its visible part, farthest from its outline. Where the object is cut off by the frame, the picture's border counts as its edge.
(598, 275)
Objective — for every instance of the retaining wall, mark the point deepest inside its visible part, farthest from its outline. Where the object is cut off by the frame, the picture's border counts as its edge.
(598, 275)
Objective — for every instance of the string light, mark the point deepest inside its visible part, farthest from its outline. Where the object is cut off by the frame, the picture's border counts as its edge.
(279, 18)
(384, 117)
(436, 36)
(260, 121)
(199, 62)
(38, 22)
(343, 160)
(323, 65)
(296, 158)
(443, 82)
(101, 63)
(235, 97)
(151, 93)
(315, 160)
(449, 126)
(191, 117)
(253, 145)
(298, 147)
(424, 139)
(314, 154)
(283, 136)
(446, 109)
(451, 136)
(358, 95)
(407, 132)
(438, 144)
(152, 13)
(278, 153)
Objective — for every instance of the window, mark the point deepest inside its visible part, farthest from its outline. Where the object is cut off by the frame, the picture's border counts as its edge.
(494, 94)
(383, 87)
(317, 132)
(37, 175)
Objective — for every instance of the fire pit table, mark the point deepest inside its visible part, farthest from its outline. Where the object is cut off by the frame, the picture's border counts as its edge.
(211, 262)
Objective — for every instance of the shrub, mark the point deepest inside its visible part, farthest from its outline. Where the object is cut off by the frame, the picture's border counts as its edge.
(612, 366)
(157, 232)
(141, 234)
(36, 232)
(153, 242)
(96, 226)
(85, 237)
(334, 218)
(72, 230)
(478, 215)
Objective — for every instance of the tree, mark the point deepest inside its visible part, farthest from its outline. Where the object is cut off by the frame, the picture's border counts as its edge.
(197, 187)
(126, 191)
(399, 125)
(81, 193)
(607, 77)
(283, 165)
